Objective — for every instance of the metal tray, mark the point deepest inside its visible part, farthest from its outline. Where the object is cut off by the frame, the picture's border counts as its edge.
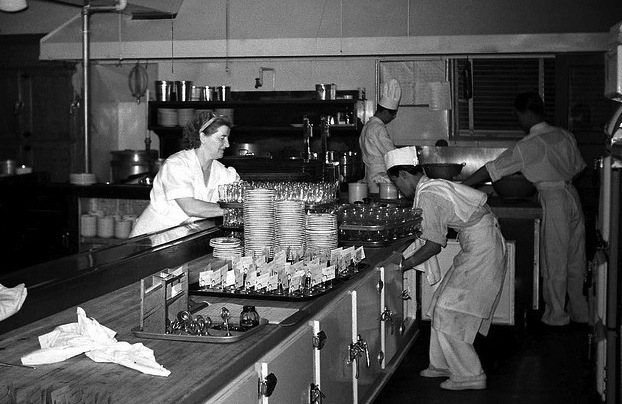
(218, 336)
(312, 293)
(415, 221)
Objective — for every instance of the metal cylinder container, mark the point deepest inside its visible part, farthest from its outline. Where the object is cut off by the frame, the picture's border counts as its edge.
(164, 90)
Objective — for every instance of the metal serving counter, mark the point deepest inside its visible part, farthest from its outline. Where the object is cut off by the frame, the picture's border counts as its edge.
(105, 283)
(56, 285)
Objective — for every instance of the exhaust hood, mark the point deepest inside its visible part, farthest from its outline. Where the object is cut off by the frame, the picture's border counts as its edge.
(137, 9)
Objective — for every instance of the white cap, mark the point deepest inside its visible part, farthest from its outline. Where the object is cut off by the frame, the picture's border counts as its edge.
(391, 94)
(404, 156)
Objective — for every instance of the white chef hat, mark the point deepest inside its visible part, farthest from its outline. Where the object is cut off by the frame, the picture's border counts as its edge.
(404, 156)
(390, 95)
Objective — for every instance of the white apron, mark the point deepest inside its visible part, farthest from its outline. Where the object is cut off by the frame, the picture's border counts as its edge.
(468, 294)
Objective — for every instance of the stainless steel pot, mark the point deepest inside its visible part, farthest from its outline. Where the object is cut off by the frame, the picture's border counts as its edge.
(246, 149)
(7, 167)
(128, 164)
(350, 167)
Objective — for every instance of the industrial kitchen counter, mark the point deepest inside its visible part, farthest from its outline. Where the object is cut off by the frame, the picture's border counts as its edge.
(205, 372)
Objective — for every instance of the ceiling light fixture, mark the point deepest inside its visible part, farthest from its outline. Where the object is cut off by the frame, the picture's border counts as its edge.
(12, 6)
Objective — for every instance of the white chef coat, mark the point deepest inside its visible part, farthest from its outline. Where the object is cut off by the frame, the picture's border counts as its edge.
(464, 302)
(180, 176)
(375, 143)
(549, 157)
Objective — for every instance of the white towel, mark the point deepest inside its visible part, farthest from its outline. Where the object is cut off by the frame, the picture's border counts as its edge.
(98, 342)
(11, 300)
(431, 267)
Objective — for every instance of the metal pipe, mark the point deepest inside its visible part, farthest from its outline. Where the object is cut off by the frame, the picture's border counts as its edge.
(85, 87)
(86, 12)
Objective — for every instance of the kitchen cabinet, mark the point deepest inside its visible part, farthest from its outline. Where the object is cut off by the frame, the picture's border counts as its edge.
(39, 118)
(333, 375)
(504, 313)
(241, 390)
(272, 113)
(290, 365)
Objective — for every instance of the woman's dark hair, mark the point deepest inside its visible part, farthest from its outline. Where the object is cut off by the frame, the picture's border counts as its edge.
(191, 139)
(395, 170)
(531, 101)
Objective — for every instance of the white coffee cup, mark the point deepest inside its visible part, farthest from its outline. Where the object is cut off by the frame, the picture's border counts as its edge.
(387, 191)
(357, 191)
(88, 225)
(122, 228)
(105, 226)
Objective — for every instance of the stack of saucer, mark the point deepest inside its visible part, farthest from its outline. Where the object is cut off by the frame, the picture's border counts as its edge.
(226, 247)
(167, 117)
(82, 179)
(321, 232)
(289, 220)
(185, 116)
(258, 206)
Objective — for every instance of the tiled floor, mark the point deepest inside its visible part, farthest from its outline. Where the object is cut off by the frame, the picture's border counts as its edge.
(537, 365)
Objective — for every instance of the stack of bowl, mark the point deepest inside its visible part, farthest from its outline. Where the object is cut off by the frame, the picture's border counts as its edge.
(168, 117)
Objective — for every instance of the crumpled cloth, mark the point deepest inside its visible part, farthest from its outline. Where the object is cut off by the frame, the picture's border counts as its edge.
(11, 300)
(431, 267)
(97, 342)
(381, 178)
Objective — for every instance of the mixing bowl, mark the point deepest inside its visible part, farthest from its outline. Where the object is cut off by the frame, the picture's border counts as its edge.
(445, 171)
(514, 186)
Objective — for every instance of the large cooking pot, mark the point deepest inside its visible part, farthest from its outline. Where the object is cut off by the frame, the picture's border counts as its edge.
(246, 149)
(128, 164)
(446, 171)
(514, 186)
(350, 167)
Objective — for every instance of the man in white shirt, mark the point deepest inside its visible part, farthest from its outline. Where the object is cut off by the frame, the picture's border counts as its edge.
(374, 140)
(549, 157)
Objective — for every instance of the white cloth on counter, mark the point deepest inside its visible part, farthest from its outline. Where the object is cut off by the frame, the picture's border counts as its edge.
(431, 267)
(11, 300)
(97, 342)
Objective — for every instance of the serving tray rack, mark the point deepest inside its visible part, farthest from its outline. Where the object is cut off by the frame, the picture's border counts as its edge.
(164, 300)
(297, 294)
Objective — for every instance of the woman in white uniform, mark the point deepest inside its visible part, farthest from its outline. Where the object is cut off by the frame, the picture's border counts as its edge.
(186, 186)
(465, 298)
(550, 158)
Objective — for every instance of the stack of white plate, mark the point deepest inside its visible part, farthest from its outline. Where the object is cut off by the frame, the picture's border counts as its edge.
(167, 117)
(321, 232)
(226, 247)
(185, 116)
(289, 218)
(258, 206)
(82, 179)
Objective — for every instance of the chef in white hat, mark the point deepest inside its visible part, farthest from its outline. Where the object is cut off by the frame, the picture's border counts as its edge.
(467, 295)
(375, 140)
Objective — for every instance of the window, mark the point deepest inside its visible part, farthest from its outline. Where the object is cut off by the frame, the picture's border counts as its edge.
(485, 90)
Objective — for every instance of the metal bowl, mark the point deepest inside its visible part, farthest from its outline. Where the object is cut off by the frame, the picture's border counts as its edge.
(514, 186)
(445, 171)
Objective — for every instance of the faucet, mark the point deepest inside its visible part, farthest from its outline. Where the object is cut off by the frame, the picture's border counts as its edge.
(307, 133)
